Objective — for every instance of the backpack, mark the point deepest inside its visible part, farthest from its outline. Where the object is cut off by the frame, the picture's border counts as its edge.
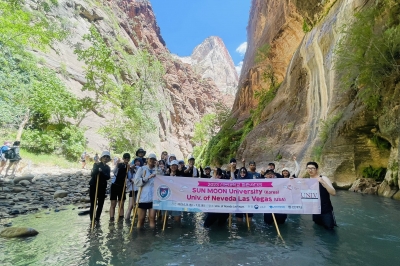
(10, 154)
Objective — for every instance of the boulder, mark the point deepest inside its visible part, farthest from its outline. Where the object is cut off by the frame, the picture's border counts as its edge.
(60, 194)
(27, 177)
(24, 183)
(18, 189)
(86, 200)
(85, 212)
(18, 232)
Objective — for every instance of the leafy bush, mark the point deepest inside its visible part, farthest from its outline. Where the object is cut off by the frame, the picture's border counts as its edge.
(369, 53)
(375, 173)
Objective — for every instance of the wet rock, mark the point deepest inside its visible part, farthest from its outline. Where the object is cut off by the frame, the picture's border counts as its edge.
(14, 212)
(60, 194)
(18, 232)
(85, 212)
(24, 183)
(28, 177)
(18, 189)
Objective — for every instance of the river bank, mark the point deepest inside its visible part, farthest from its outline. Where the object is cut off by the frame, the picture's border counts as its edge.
(43, 188)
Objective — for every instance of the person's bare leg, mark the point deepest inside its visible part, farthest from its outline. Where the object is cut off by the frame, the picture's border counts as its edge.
(112, 208)
(121, 211)
(152, 218)
(8, 168)
(141, 217)
(130, 207)
(15, 167)
(2, 165)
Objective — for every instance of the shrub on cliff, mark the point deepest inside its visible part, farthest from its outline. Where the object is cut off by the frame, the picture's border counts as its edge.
(368, 56)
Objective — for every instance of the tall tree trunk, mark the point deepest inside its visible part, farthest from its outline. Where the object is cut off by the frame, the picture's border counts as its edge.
(22, 125)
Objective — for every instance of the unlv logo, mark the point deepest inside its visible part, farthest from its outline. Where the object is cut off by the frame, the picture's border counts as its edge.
(163, 192)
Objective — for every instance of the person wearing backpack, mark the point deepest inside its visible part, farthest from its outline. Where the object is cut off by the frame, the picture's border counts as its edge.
(13, 156)
(3, 151)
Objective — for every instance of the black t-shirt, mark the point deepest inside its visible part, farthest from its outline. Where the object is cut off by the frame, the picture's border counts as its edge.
(104, 175)
(121, 174)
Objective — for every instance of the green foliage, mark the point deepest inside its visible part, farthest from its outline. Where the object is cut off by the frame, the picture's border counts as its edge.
(265, 95)
(326, 127)
(369, 54)
(381, 143)
(100, 67)
(375, 173)
(306, 27)
(66, 140)
(204, 129)
(20, 28)
(262, 53)
(138, 102)
(278, 157)
(224, 145)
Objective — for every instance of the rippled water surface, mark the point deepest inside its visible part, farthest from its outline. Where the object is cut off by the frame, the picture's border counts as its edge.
(368, 234)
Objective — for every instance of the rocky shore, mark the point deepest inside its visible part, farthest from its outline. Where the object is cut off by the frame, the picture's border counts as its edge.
(49, 188)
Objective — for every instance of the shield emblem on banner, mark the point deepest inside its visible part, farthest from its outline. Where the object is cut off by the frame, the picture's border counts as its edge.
(163, 192)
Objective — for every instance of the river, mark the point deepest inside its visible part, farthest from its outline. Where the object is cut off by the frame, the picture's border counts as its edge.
(368, 233)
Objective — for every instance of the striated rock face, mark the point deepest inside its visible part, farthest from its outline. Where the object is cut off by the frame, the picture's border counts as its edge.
(186, 95)
(212, 61)
(310, 96)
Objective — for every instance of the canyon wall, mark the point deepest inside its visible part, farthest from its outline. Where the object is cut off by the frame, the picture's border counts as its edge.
(186, 95)
(310, 96)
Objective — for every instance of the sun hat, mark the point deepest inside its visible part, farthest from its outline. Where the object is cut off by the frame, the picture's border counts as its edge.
(105, 153)
(140, 150)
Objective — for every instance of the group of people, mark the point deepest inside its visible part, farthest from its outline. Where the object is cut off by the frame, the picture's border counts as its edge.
(9, 153)
(140, 173)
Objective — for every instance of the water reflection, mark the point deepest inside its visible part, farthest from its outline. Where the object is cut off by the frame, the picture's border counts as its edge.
(367, 233)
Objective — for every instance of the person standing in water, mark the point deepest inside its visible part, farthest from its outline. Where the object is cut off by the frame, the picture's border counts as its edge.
(145, 178)
(102, 170)
(213, 217)
(117, 186)
(327, 217)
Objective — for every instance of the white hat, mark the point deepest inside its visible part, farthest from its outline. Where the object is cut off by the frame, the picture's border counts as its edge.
(174, 162)
(105, 153)
(152, 156)
(191, 157)
(285, 169)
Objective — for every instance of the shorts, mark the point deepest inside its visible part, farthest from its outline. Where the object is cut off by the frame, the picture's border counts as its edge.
(327, 220)
(130, 194)
(241, 215)
(116, 192)
(145, 205)
(2, 158)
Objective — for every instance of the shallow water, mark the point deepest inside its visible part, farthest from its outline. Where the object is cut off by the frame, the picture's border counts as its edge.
(368, 234)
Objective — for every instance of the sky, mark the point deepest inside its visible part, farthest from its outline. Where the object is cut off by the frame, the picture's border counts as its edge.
(185, 24)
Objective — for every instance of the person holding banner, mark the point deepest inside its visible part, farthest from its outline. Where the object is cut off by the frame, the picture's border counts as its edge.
(213, 217)
(191, 170)
(144, 179)
(100, 174)
(243, 174)
(175, 172)
(280, 217)
(327, 217)
(206, 173)
(117, 186)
